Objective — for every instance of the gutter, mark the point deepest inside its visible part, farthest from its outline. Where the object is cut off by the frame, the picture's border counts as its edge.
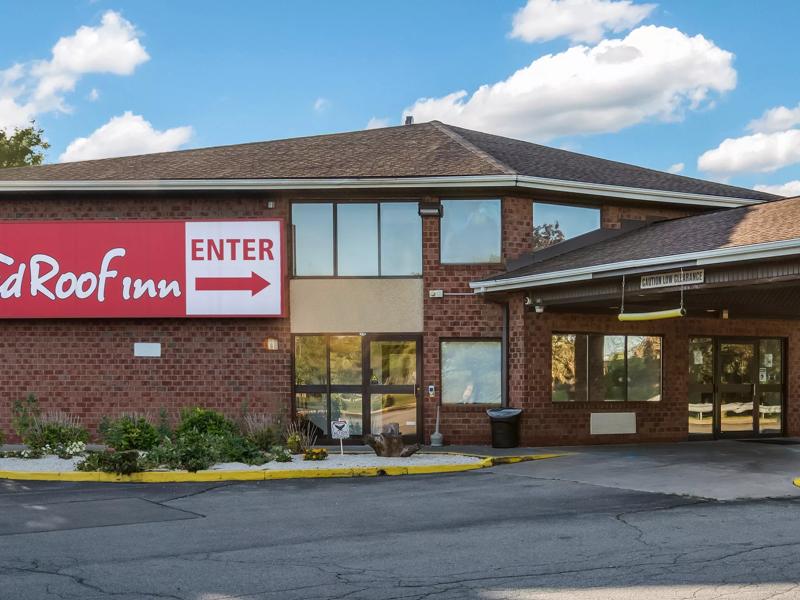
(717, 256)
(465, 181)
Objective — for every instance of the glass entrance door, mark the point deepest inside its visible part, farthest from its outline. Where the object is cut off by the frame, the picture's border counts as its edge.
(392, 387)
(736, 387)
(369, 380)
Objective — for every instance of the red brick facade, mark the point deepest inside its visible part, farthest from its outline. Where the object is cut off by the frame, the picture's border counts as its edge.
(86, 367)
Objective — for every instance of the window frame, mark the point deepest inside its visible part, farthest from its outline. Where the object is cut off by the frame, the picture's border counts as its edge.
(502, 230)
(503, 388)
(627, 382)
(335, 237)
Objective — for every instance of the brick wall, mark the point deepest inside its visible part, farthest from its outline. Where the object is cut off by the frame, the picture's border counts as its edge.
(611, 216)
(86, 367)
(464, 316)
(549, 423)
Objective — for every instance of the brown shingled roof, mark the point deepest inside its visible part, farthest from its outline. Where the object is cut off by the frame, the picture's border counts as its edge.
(756, 224)
(425, 150)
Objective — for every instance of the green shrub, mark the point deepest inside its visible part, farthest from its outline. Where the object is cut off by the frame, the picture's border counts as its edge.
(280, 454)
(163, 456)
(315, 454)
(129, 432)
(110, 461)
(235, 448)
(260, 429)
(198, 451)
(300, 435)
(164, 427)
(2, 437)
(24, 412)
(57, 433)
(204, 421)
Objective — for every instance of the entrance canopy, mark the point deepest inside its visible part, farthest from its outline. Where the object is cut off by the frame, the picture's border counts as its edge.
(743, 263)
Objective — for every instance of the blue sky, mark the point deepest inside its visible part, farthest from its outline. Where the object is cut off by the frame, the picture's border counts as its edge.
(184, 74)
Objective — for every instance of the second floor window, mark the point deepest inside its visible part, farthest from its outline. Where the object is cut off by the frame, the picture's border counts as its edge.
(358, 239)
(470, 231)
(553, 223)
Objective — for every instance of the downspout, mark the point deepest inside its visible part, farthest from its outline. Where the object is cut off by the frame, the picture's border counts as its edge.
(504, 358)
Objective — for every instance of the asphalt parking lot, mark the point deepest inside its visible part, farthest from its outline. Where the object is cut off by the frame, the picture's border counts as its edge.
(599, 523)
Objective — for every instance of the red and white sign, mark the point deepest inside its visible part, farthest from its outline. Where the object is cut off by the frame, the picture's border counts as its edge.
(142, 269)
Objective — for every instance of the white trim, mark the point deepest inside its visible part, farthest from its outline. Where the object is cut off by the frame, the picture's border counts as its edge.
(474, 181)
(705, 257)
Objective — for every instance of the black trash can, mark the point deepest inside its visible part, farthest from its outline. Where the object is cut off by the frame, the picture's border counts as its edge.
(505, 426)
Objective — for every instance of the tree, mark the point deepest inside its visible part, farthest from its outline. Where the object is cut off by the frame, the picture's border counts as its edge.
(23, 148)
(546, 235)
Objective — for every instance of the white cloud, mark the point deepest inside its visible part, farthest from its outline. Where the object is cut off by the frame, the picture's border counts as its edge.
(320, 104)
(27, 90)
(788, 189)
(676, 168)
(125, 135)
(377, 123)
(653, 73)
(775, 119)
(94, 95)
(756, 153)
(579, 20)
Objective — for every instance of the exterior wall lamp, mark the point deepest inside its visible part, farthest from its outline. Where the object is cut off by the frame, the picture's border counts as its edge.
(430, 209)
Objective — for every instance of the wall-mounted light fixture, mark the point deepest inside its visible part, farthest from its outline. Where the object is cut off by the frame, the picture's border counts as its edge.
(271, 344)
(430, 209)
(270, 203)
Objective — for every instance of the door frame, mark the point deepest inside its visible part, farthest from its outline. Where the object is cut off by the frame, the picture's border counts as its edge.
(756, 388)
(366, 420)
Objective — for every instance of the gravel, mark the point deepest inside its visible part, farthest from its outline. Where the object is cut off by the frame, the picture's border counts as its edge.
(334, 461)
(47, 463)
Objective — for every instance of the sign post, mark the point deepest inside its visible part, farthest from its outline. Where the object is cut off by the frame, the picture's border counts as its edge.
(340, 430)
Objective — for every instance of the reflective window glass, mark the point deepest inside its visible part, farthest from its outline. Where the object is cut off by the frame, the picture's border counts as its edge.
(310, 360)
(394, 408)
(348, 407)
(553, 223)
(312, 225)
(471, 372)
(769, 412)
(701, 361)
(769, 369)
(357, 239)
(345, 360)
(644, 368)
(736, 362)
(401, 239)
(393, 362)
(314, 408)
(470, 231)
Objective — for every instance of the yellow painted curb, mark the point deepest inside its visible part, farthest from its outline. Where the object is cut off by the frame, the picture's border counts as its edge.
(797, 482)
(205, 476)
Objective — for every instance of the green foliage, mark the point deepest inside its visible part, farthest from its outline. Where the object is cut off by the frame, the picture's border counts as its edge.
(315, 454)
(129, 432)
(198, 451)
(23, 148)
(121, 463)
(300, 435)
(546, 235)
(280, 454)
(259, 429)
(24, 413)
(2, 437)
(59, 432)
(164, 427)
(204, 421)
(163, 456)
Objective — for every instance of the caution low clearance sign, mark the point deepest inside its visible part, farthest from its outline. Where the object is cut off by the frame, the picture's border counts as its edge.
(142, 269)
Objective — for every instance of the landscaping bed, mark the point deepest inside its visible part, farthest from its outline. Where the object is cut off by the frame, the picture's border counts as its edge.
(335, 461)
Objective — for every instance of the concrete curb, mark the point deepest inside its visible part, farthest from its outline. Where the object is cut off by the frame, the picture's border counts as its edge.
(321, 473)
